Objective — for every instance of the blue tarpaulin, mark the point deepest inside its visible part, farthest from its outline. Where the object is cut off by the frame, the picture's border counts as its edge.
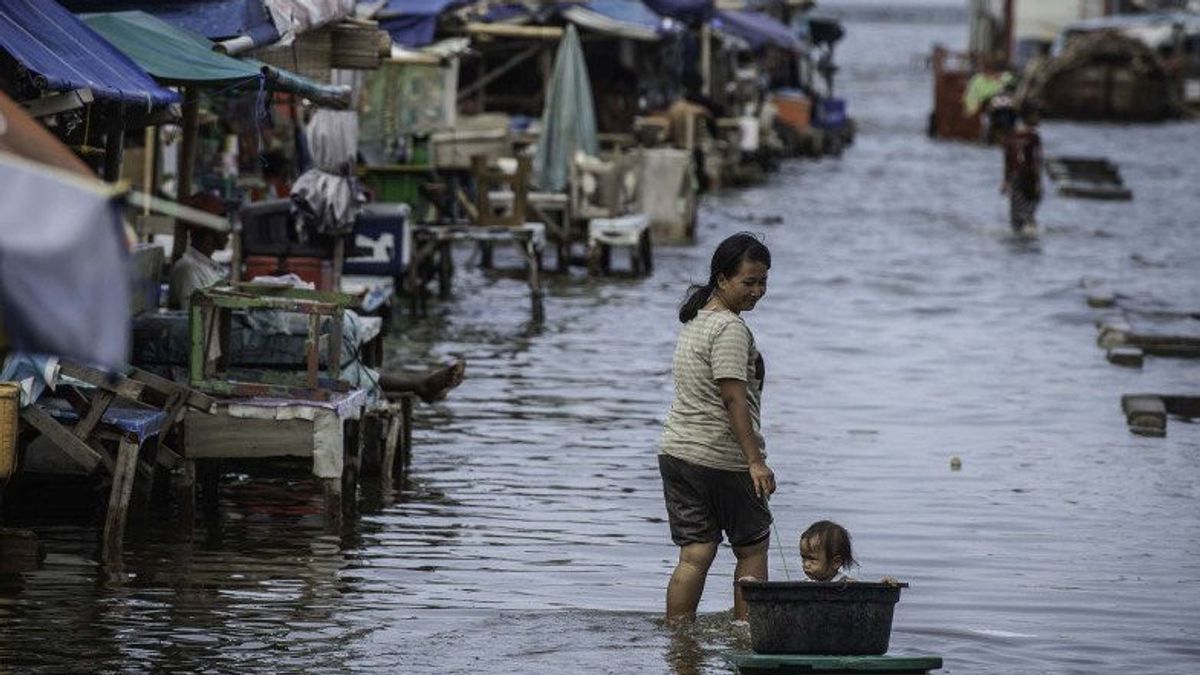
(214, 19)
(412, 23)
(691, 12)
(625, 18)
(758, 30)
(64, 54)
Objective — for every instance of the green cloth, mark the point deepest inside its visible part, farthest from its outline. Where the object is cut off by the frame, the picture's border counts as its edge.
(175, 56)
(569, 118)
(981, 87)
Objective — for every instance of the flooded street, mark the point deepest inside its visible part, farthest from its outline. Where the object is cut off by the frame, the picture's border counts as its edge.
(903, 326)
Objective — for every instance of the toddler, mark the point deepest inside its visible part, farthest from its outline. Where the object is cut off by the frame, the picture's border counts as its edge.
(825, 551)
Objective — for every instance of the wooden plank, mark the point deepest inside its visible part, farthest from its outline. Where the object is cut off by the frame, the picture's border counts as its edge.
(118, 499)
(194, 399)
(219, 436)
(78, 450)
(335, 344)
(114, 382)
(312, 350)
(99, 403)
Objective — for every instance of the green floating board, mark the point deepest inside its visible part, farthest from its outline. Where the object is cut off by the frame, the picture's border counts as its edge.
(747, 662)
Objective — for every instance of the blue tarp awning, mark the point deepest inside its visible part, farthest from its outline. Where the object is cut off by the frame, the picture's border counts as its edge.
(625, 18)
(692, 12)
(758, 30)
(64, 54)
(412, 23)
(214, 19)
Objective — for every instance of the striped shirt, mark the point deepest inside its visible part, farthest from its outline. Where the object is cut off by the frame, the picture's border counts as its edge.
(713, 346)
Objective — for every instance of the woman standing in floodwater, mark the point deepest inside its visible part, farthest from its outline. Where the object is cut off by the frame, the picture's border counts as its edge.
(712, 456)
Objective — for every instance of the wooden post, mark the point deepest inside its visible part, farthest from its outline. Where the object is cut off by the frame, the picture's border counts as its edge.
(124, 474)
(390, 442)
(706, 59)
(209, 473)
(183, 482)
(352, 442)
(1009, 31)
(148, 164)
(406, 412)
(313, 351)
(114, 144)
(535, 279)
(187, 159)
(336, 324)
(445, 269)
(485, 255)
(333, 503)
(339, 257)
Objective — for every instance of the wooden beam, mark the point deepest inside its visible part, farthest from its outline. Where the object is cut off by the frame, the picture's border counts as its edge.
(505, 30)
(114, 382)
(485, 80)
(79, 451)
(99, 403)
(124, 475)
(187, 159)
(178, 211)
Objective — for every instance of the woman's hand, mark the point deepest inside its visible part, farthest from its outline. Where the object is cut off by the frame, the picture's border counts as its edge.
(763, 478)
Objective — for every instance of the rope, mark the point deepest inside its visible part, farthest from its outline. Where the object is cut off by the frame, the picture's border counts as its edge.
(779, 542)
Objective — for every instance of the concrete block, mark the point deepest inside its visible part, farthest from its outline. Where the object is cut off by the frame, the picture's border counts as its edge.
(1130, 357)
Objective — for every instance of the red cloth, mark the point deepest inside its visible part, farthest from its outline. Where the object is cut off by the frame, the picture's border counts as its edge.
(1023, 157)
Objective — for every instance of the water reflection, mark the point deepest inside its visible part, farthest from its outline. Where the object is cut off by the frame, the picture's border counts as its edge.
(904, 326)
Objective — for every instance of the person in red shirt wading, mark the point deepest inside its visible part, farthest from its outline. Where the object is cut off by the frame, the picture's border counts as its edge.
(1023, 172)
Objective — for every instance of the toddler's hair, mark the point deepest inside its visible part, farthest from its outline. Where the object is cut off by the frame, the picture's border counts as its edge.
(834, 539)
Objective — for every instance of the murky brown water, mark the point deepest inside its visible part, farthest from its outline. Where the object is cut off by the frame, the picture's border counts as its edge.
(904, 325)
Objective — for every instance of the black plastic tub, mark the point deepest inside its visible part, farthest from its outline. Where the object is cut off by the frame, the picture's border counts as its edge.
(832, 618)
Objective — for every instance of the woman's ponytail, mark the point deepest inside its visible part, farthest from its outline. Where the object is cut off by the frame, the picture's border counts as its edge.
(697, 297)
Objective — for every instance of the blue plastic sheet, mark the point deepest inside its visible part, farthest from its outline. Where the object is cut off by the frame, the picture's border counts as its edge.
(693, 12)
(64, 54)
(412, 23)
(214, 19)
(140, 422)
(758, 30)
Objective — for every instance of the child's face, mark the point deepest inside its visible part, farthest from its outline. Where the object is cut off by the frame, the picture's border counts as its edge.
(816, 565)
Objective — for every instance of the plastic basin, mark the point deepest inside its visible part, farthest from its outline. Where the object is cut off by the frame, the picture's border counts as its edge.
(832, 618)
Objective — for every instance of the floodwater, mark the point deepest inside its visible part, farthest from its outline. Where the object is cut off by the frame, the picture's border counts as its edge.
(904, 326)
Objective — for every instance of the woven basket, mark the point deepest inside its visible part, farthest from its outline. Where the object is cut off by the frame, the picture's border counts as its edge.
(308, 55)
(10, 401)
(355, 46)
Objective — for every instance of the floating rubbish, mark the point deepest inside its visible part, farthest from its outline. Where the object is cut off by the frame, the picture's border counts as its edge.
(955, 464)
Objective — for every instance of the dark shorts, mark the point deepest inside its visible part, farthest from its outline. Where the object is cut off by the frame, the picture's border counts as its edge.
(703, 502)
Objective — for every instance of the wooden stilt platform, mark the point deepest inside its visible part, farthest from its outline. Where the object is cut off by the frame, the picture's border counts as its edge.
(749, 663)
(1147, 414)
(1087, 177)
